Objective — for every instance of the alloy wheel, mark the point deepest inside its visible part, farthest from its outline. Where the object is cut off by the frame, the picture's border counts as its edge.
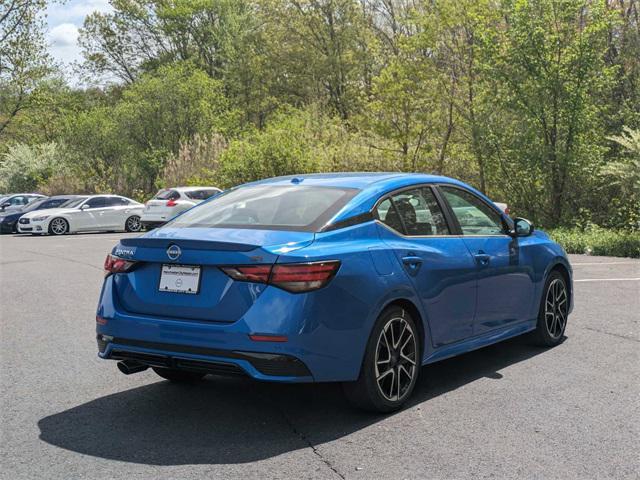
(133, 224)
(395, 358)
(556, 308)
(59, 226)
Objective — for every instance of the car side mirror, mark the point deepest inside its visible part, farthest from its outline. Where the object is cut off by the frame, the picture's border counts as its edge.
(84, 207)
(522, 227)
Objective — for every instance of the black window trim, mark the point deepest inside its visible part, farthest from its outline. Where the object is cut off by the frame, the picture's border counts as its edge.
(453, 225)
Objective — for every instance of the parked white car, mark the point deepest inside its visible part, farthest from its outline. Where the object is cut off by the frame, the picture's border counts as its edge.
(86, 213)
(169, 202)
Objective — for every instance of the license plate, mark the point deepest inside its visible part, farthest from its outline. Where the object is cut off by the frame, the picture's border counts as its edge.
(180, 279)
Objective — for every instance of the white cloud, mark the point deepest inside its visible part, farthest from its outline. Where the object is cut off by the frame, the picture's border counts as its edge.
(75, 11)
(63, 21)
(63, 35)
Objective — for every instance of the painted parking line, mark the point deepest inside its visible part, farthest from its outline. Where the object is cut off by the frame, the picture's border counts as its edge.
(637, 262)
(607, 280)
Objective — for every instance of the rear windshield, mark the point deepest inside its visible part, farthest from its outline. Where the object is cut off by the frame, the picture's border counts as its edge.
(201, 194)
(269, 207)
(167, 195)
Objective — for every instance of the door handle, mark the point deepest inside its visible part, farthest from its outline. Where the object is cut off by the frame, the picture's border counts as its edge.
(412, 262)
(483, 259)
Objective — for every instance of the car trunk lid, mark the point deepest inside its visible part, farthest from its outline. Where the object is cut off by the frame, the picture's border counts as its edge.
(219, 298)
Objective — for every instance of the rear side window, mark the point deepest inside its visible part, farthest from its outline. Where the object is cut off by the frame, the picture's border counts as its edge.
(96, 202)
(269, 207)
(413, 212)
(474, 216)
(201, 194)
(167, 195)
(116, 201)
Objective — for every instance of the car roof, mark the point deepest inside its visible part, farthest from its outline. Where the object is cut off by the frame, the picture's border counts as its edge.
(54, 197)
(190, 189)
(372, 186)
(358, 180)
(9, 195)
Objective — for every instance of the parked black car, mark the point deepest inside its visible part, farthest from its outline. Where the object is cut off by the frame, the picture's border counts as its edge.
(9, 220)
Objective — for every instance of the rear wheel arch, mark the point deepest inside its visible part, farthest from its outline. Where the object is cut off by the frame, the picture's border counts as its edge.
(413, 310)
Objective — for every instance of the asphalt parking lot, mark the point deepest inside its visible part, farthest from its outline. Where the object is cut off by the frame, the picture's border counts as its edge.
(507, 411)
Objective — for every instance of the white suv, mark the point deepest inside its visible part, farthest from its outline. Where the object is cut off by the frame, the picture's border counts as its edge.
(169, 202)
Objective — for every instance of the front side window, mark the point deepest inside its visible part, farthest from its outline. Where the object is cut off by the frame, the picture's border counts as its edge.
(269, 207)
(18, 201)
(413, 212)
(474, 216)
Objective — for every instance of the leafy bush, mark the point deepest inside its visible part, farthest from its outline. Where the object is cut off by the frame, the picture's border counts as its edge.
(302, 141)
(24, 167)
(599, 241)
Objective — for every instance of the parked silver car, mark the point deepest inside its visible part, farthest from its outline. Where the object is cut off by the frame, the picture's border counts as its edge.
(169, 202)
(14, 201)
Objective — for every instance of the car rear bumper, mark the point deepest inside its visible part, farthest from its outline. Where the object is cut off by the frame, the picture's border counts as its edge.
(149, 224)
(266, 366)
(319, 345)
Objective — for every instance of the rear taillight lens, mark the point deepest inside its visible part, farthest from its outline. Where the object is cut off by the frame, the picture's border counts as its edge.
(171, 203)
(249, 273)
(113, 264)
(292, 277)
(303, 277)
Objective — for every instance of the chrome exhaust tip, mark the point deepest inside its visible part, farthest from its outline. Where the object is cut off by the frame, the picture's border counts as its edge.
(129, 367)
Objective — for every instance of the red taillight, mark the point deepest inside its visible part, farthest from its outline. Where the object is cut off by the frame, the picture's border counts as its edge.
(303, 277)
(171, 203)
(293, 277)
(249, 273)
(113, 264)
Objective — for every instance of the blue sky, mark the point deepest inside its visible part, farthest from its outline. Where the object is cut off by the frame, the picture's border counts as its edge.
(63, 21)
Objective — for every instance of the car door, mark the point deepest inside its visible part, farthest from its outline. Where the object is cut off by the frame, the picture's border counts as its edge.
(114, 216)
(91, 214)
(438, 263)
(505, 280)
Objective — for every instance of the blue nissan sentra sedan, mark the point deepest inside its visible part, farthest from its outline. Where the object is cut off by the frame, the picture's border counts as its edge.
(358, 278)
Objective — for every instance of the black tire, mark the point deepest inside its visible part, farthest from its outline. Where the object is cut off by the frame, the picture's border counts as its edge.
(553, 313)
(178, 376)
(133, 224)
(58, 226)
(374, 390)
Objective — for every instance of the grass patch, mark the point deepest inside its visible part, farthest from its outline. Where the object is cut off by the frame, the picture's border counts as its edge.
(598, 241)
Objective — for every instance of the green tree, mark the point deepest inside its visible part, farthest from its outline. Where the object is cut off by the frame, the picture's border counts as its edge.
(129, 141)
(23, 58)
(546, 68)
